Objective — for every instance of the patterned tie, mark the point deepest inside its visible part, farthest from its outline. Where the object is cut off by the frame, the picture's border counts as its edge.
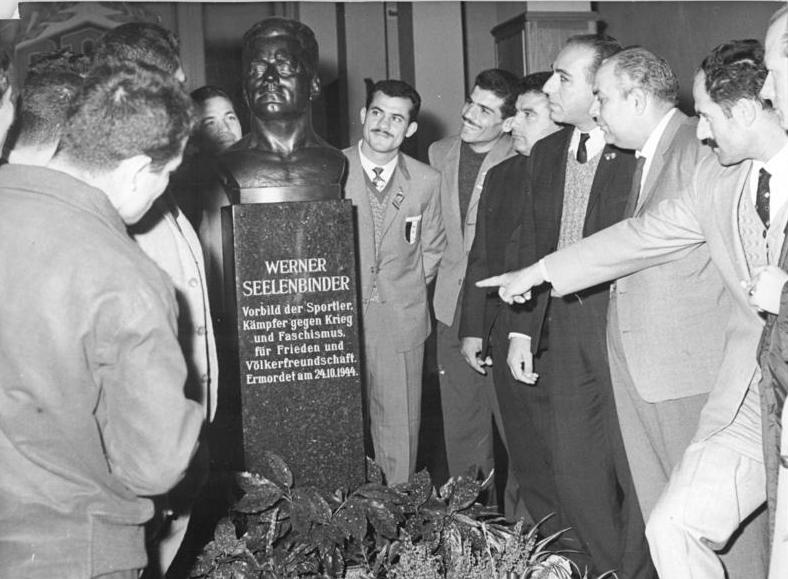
(634, 192)
(582, 153)
(377, 180)
(762, 197)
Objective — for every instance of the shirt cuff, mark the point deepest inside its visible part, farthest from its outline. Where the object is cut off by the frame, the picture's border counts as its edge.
(543, 270)
(519, 335)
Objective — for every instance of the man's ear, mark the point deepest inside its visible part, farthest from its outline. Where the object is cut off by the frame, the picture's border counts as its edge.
(409, 132)
(363, 114)
(508, 123)
(131, 170)
(746, 111)
(639, 99)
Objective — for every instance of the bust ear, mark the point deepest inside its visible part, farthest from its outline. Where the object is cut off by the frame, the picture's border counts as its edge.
(314, 87)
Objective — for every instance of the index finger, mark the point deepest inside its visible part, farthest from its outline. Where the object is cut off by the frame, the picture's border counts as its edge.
(493, 281)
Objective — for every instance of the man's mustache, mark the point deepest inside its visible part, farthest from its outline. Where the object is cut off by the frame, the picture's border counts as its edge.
(382, 132)
(711, 143)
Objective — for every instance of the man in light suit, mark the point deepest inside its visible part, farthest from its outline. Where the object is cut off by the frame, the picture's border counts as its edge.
(770, 293)
(720, 479)
(666, 324)
(468, 398)
(400, 243)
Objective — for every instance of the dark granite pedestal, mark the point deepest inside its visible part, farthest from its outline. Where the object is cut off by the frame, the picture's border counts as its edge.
(292, 270)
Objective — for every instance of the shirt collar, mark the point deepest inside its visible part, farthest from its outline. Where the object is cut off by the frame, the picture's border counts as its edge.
(594, 144)
(368, 166)
(649, 148)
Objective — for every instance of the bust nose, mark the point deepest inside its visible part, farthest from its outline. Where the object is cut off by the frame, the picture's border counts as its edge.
(271, 73)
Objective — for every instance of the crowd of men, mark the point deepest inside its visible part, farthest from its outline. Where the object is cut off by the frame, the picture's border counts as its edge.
(640, 369)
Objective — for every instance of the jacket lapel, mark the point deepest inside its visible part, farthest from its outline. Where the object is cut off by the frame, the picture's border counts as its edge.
(399, 190)
(738, 183)
(660, 156)
(605, 172)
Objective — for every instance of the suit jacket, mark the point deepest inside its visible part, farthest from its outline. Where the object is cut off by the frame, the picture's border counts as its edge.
(705, 212)
(400, 270)
(606, 204)
(672, 317)
(445, 156)
(496, 243)
(167, 237)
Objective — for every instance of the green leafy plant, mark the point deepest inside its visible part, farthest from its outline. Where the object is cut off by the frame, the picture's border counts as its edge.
(407, 531)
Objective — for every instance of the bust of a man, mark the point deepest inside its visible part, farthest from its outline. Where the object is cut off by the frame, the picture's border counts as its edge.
(282, 158)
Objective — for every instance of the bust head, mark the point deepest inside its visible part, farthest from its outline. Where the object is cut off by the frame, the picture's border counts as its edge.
(280, 59)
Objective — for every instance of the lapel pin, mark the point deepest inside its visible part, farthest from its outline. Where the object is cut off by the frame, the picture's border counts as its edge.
(610, 156)
(398, 199)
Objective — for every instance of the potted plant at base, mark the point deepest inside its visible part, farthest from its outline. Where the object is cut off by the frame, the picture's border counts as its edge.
(406, 531)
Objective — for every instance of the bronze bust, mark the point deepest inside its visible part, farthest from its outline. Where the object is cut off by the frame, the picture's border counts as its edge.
(282, 158)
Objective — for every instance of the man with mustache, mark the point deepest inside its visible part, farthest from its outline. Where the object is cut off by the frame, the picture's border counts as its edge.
(468, 398)
(400, 242)
(737, 205)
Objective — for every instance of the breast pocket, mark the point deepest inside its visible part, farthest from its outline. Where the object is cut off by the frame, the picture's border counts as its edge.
(412, 229)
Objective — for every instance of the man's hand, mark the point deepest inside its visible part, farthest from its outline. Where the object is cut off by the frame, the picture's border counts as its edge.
(765, 288)
(471, 350)
(520, 360)
(515, 286)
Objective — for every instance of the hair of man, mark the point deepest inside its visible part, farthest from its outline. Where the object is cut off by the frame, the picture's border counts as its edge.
(735, 70)
(123, 111)
(273, 27)
(602, 47)
(638, 67)
(502, 84)
(209, 91)
(144, 42)
(399, 89)
(533, 82)
(50, 87)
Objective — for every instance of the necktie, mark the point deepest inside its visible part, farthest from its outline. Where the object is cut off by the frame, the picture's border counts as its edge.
(582, 154)
(762, 197)
(634, 192)
(377, 180)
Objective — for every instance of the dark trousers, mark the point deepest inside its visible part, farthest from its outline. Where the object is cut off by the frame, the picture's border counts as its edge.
(528, 424)
(592, 474)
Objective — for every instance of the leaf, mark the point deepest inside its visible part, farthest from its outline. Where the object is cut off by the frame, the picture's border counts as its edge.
(464, 494)
(301, 514)
(276, 469)
(352, 518)
(374, 472)
(259, 497)
(381, 519)
(224, 536)
(381, 493)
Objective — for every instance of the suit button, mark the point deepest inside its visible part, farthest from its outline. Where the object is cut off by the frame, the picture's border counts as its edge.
(193, 282)
(201, 331)
(784, 460)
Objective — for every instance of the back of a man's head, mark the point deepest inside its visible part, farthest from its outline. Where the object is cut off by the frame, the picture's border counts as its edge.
(734, 70)
(143, 42)
(502, 84)
(637, 67)
(123, 111)
(50, 87)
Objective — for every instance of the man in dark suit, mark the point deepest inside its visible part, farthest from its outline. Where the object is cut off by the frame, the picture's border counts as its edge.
(400, 243)
(483, 331)
(579, 185)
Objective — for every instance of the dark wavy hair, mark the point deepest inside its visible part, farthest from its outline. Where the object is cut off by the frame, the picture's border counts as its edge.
(400, 89)
(735, 70)
(123, 111)
(502, 84)
(144, 42)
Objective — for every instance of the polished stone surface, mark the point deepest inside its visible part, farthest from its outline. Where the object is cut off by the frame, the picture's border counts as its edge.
(297, 338)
